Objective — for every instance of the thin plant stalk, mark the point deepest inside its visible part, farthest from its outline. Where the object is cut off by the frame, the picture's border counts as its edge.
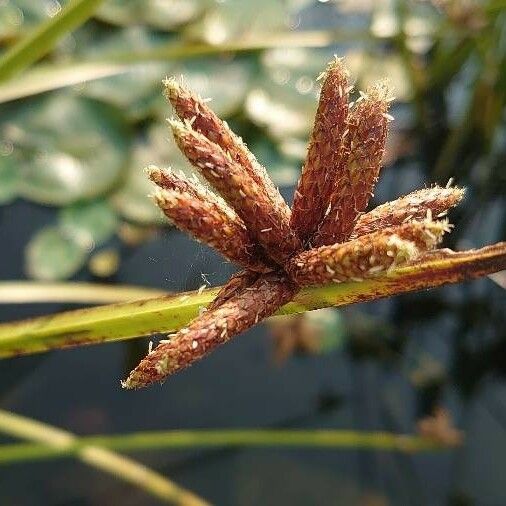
(43, 39)
(24, 292)
(224, 438)
(170, 313)
(124, 468)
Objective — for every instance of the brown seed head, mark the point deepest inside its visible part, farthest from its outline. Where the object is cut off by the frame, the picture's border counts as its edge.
(413, 206)
(190, 107)
(324, 156)
(362, 151)
(212, 329)
(212, 224)
(367, 256)
(239, 190)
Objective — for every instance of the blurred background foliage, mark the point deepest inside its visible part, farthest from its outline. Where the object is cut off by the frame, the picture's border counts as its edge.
(82, 148)
(77, 129)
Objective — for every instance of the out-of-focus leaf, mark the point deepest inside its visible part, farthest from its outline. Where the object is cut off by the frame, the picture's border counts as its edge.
(8, 177)
(161, 14)
(137, 89)
(371, 68)
(89, 222)
(331, 328)
(224, 21)
(131, 201)
(48, 77)
(285, 99)
(29, 292)
(105, 263)
(65, 148)
(19, 15)
(52, 254)
(225, 81)
(39, 42)
(282, 171)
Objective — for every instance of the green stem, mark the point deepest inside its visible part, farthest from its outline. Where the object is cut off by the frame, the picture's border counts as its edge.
(38, 43)
(224, 438)
(169, 313)
(23, 292)
(53, 439)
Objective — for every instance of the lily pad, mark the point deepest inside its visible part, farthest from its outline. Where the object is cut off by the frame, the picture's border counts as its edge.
(138, 89)
(132, 200)
(226, 20)
(225, 81)
(19, 15)
(284, 100)
(53, 254)
(90, 223)
(161, 14)
(282, 171)
(65, 148)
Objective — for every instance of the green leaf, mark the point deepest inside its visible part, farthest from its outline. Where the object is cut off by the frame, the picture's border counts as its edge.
(223, 438)
(50, 77)
(157, 148)
(42, 40)
(119, 466)
(135, 91)
(52, 254)
(65, 148)
(89, 222)
(164, 15)
(226, 82)
(170, 313)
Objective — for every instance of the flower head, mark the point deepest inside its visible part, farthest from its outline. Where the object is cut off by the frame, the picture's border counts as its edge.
(327, 237)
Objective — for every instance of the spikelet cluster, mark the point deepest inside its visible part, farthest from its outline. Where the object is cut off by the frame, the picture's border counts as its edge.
(326, 237)
(362, 148)
(324, 159)
(368, 256)
(213, 328)
(413, 206)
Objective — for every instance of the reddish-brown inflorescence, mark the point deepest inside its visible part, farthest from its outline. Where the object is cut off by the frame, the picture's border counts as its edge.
(239, 190)
(214, 328)
(362, 147)
(324, 159)
(413, 206)
(253, 227)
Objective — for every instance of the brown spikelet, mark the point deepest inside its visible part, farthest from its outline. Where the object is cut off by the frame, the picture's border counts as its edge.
(413, 206)
(169, 180)
(208, 223)
(213, 328)
(363, 147)
(190, 107)
(239, 190)
(324, 155)
(234, 285)
(367, 256)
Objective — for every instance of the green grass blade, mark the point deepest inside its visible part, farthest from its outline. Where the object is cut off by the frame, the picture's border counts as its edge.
(52, 438)
(171, 312)
(51, 77)
(38, 43)
(223, 438)
(24, 292)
